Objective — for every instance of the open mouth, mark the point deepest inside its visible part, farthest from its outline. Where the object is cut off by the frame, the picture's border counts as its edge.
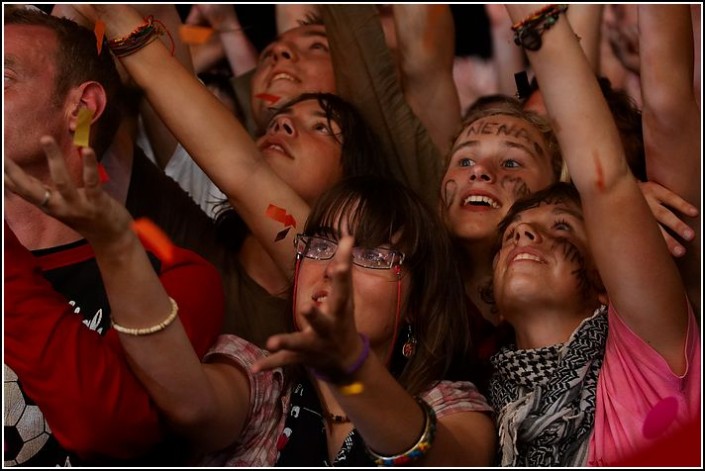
(283, 76)
(527, 256)
(481, 201)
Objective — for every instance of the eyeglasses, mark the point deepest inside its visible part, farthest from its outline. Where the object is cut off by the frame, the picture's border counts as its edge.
(320, 248)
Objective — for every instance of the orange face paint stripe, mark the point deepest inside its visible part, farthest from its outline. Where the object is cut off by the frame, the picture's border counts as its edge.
(271, 99)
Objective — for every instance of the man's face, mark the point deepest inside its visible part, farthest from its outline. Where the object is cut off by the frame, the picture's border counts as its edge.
(296, 62)
(31, 108)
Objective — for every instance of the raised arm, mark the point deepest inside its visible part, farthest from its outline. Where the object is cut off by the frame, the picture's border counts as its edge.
(586, 21)
(426, 45)
(628, 249)
(671, 117)
(229, 39)
(506, 57)
(212, 136)
(161, 140)
(166, 361)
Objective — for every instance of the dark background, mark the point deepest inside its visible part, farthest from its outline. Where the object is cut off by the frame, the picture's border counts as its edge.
(472, 35)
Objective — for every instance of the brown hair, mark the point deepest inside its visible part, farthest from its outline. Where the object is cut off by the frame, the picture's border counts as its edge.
(376, 209)
(509, 106)
(77, 61)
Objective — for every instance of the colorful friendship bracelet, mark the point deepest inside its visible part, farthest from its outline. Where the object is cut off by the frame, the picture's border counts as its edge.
(419, 449)
(150, 330)
(527, 32)
(139, 38)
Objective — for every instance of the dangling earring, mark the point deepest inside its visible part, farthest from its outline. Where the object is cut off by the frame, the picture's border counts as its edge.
(409, 347)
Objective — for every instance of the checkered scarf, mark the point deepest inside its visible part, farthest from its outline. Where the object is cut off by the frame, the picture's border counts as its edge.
(546, 397)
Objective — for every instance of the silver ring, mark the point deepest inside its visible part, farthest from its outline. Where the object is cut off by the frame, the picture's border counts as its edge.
(45, 200)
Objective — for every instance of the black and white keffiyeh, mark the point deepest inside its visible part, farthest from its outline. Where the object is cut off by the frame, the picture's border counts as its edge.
(545, 398)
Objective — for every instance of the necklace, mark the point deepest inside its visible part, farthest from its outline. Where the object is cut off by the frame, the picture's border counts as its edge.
(336, 419)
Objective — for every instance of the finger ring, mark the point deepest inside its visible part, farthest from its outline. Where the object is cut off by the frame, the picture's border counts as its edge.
(45, 200)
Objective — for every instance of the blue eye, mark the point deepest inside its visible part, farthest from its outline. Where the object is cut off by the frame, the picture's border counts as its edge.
(511, 163)
(465, 162)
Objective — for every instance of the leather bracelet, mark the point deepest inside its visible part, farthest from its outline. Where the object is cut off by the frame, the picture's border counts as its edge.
(527, 33)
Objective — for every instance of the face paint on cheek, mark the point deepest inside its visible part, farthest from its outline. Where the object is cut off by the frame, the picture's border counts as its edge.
(449, 191)
(581, 273)
(517, 186)
(269, 98)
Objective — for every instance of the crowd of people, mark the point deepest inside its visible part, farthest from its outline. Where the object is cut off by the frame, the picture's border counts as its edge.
(341, 255)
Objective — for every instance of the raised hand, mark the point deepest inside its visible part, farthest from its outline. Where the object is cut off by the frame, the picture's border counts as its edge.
(664, 204)
(329, 342)
(85, 208)
(218, 16)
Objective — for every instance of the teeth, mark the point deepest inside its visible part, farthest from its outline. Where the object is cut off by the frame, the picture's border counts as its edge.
(527, 256)
(283, 76)
(320, 299)
(275, 147)
(481, 199)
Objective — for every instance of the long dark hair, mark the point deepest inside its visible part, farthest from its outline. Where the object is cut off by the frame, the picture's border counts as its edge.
(378, 210)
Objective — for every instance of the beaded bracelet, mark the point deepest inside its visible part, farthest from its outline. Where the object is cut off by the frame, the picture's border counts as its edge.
(139, 38)
(344, 376)
(527, 32)
(419, 449)
(155, 328)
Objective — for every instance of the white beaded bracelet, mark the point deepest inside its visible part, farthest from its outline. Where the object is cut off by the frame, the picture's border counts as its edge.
(155, 328)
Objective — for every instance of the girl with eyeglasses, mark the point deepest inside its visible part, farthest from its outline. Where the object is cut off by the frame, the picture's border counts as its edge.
(344, 388)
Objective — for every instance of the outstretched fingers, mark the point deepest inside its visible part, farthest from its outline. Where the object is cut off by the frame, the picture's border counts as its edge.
(287, 349)
(664, 204)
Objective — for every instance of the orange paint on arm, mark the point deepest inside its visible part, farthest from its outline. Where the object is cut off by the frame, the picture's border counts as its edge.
(600, 181)
(280, 215)
(434, 20)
